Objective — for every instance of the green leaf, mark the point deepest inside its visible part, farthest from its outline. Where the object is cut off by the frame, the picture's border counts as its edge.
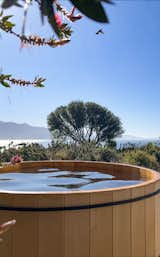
(106, 1)
(40, 85)
(18, 5)
(5, 22)
(5, 84)
(8, 3)
(92, 9)
(9, 24)
(48, 10)
(5, 18)
(7, 76)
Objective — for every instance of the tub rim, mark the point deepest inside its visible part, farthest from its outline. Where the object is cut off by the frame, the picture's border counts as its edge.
(153, 180)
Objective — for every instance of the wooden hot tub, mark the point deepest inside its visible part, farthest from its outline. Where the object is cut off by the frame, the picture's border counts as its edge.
(115, 222)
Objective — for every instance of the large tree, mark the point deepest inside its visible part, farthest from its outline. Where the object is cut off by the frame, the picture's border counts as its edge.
(84, 122)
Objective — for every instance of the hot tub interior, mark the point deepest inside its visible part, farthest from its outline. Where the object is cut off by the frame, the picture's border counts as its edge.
(48, 179)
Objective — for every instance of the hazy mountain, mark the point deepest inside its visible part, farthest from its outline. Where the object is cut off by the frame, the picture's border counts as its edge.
(130, 137)
(11, 130)
(136, 138)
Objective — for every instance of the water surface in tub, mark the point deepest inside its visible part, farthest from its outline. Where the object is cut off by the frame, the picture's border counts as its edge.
(51, 179)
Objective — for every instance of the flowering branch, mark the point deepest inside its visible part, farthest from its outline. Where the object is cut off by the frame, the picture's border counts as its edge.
(6, 80)
(94, 10)
(68, 15)
(7, 26)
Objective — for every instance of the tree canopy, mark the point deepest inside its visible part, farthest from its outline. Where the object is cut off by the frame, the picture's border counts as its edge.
(52, 10)
(84, 122)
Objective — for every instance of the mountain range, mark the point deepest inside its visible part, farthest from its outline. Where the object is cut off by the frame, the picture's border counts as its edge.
(12, 130)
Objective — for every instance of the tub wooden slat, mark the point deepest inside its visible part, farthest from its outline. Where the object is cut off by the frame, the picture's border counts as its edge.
(77, 227)
(150, 222)
(138, 224)
(6, 245)
(26, 228)
(122, 225)
(126, 171)
(94, 166)
(101, 226)
(51, 227)
(157, 220)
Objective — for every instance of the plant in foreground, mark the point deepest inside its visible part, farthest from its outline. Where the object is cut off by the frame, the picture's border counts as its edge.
(52, 11)
(4, 227)
(6, 81)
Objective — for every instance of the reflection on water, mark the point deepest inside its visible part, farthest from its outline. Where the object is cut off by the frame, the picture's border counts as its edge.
(5, 179)
(52, 179)
(69, 186)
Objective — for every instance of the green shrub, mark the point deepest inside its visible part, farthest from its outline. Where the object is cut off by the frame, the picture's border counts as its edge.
(147, 156)
(108, 155)
(141, 158)
(31, 152)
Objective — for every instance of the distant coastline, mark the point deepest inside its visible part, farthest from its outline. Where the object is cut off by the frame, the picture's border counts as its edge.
(16, 142)
(121, 142)
(13, 134)
(137, 142)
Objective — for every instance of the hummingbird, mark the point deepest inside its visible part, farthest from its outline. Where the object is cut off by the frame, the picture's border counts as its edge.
(100, 31)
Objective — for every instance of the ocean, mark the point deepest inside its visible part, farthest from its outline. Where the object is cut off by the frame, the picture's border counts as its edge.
(120, 142)
(16, 142)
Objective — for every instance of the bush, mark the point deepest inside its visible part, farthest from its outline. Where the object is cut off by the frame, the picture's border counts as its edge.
(31, 152)
(108, 155)
(146, 156)
(83, 151)
(141, 158)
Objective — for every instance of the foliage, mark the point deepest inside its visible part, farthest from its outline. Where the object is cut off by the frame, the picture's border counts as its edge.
(62, 151)
(107, 154)
(34, 152)
(84, 122)
(90, 8)
(87, 151)
(141, 158)
(144, 156)
(6, 80)
(7, 26)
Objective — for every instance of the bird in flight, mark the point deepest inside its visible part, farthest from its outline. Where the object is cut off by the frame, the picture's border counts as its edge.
(100, 31)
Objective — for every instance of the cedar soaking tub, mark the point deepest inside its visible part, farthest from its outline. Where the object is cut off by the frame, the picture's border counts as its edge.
(80, 209)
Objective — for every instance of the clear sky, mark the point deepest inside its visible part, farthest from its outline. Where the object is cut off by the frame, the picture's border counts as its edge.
(119, 70)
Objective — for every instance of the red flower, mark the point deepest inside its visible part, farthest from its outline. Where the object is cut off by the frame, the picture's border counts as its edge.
(16, 159)
(58, 20)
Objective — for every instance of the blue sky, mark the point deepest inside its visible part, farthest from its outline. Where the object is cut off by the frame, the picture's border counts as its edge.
(119, 70)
